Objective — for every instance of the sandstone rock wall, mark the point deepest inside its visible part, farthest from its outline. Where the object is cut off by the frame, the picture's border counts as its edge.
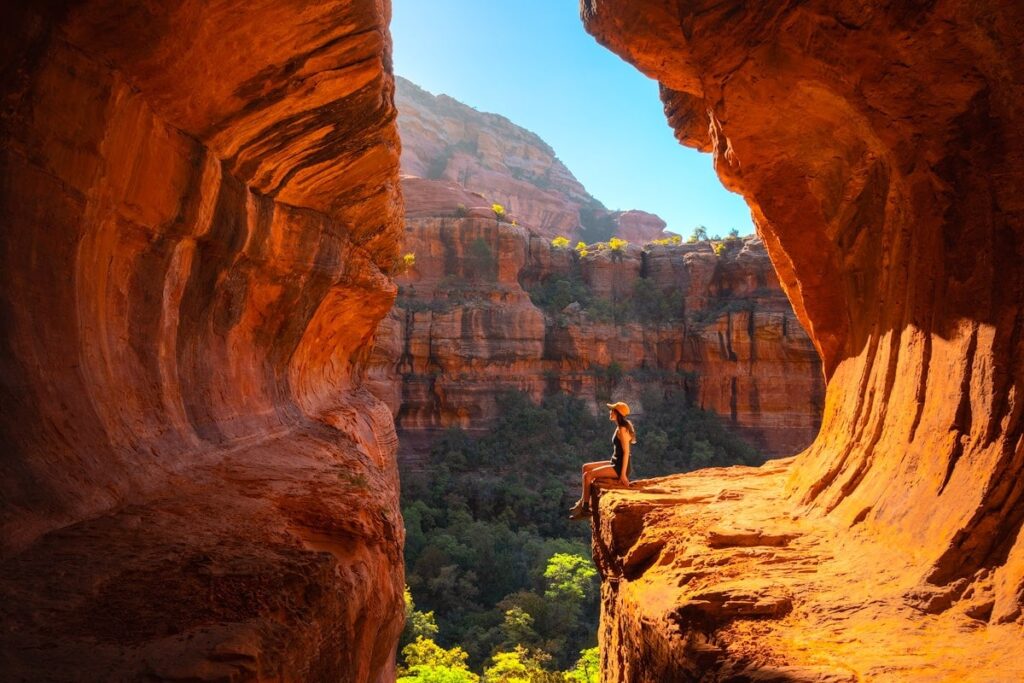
(464, 331)
(879, 147)
(492, 160)
(198, 202)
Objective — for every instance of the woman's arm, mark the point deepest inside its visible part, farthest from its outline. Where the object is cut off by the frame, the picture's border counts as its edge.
(624, 439)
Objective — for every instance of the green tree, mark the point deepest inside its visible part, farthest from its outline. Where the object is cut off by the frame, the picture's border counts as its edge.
(517, 628)
(699, 234)
(425, 652)
(587, 669)
(518, 666)
(417, 624)
(438, 674)
(570, 578)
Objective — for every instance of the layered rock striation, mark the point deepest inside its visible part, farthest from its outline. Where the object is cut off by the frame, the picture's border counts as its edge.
(880, 149)
(199, 203)
(465, 330)
(465, 157)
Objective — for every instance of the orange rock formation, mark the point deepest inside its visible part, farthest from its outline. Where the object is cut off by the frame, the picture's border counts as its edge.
(492, 160)
(463, 332)
(880, 148)
(198, 202)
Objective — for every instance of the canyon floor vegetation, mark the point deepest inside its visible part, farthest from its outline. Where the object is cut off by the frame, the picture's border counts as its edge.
(499, 579)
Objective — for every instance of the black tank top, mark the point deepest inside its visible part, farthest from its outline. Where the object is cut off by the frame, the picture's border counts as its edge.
(618, 454)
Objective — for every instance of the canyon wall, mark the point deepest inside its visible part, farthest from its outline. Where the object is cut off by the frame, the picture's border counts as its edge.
(464, 331)
(879, 147)
(492, 160)
(200, 203)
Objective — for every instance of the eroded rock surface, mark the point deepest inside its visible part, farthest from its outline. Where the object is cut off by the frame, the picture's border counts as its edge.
(880, 148)
(198, 202)
(465, 330)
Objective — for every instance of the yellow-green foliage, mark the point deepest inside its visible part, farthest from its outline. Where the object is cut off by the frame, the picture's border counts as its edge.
(587, 669)
(499, 210)
(409, 260)
(718, 247)
(560, 242)
(426, 661)
(519, 666)
(617, 244)
(671, 239)
(581, 249)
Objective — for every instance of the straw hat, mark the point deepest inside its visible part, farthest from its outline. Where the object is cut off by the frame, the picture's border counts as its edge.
(620, 407)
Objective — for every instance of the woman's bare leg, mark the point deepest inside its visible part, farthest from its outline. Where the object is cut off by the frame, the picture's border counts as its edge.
(590, 467)
(605, 471)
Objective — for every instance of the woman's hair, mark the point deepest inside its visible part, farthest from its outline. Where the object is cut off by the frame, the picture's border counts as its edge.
(621, 420)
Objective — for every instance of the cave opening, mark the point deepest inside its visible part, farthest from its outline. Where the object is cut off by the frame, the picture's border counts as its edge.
(527, 305)
(201, 212)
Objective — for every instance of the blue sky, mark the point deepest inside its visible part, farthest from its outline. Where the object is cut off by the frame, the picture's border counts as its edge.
(531, 60)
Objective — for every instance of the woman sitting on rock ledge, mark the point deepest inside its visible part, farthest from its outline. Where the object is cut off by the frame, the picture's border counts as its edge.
(617, 467)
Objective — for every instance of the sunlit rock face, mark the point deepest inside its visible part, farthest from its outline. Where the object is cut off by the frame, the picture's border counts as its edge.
(198, 203)
(492, 160)
(465, 331)
(880, 148)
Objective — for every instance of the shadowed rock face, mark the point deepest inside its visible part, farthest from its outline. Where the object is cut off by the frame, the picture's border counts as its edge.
(198, 202)
(880, 148)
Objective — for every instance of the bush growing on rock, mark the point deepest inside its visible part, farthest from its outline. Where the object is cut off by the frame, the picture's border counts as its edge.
(560, 242)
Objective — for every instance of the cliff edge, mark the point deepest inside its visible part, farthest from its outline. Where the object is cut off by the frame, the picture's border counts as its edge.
(880, 148)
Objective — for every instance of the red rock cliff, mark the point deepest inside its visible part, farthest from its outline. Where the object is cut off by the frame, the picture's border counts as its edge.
(198, 203)
(464, 331)
(456, 146)
(880, 148)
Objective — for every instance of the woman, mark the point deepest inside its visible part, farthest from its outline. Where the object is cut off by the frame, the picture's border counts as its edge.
(617, 467)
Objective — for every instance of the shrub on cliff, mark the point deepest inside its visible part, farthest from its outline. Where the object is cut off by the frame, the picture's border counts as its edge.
(560, 242)
(652, 304)
(554, 294)
(668, 241)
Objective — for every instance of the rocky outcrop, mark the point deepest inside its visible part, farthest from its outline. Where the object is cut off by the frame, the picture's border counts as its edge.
(880, 148)
(198, 203)
(448, 144)
(465, 330)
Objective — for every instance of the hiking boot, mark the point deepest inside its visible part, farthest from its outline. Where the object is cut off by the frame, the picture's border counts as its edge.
(579, 511)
